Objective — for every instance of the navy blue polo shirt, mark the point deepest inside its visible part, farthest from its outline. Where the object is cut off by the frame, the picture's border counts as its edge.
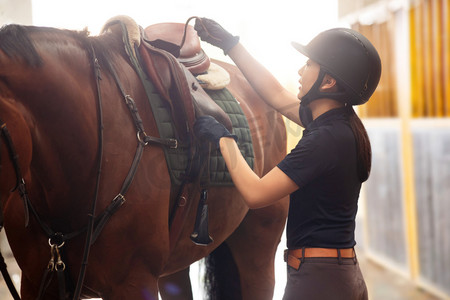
(324, 166)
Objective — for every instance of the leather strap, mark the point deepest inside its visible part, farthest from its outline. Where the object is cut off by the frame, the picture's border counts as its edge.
(294, 257)
(7, 278)
(20, 182)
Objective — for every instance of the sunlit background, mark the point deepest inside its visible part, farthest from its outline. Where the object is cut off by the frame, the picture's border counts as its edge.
(402, 225)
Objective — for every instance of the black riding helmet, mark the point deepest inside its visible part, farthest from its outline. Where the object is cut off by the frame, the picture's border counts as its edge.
(350, 58)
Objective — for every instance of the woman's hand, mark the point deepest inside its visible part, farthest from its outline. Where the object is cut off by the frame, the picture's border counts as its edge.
(210, 31)
(207, 128)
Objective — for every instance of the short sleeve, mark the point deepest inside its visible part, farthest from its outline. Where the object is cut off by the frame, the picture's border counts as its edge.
(312, 157)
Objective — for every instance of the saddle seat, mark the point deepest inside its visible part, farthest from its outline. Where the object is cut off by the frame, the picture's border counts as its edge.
(191, 55)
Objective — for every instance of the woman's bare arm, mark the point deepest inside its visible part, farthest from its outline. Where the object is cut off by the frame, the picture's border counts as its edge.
(257, 192)
(265, 84)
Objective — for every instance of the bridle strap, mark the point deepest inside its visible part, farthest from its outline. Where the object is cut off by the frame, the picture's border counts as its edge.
(20, 182)
(3, 267)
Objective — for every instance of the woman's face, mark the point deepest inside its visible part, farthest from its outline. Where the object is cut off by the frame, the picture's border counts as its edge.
(308, 76)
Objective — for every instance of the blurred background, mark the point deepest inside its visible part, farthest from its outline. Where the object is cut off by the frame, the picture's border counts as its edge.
(403, 227)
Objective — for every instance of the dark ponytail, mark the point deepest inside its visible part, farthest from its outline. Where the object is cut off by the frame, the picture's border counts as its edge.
(363, 148)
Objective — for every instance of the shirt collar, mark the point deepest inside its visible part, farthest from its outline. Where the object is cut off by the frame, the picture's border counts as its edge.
(331, 115)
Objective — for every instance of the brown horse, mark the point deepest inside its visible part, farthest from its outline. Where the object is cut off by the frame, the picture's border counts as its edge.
(49, 102)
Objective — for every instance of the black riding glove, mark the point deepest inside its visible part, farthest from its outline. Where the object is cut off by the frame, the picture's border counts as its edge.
(207, 128)
(210, 31)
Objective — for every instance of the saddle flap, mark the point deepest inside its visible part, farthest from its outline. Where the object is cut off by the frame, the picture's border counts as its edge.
(203, 104)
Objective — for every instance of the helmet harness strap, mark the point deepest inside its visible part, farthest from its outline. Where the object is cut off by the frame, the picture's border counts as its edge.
(314, 93)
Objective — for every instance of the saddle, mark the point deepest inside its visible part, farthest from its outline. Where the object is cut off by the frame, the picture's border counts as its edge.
(172, 69)
(174, 77)
(191, 55)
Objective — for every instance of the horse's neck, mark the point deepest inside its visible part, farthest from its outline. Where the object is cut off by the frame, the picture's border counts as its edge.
(43, 114)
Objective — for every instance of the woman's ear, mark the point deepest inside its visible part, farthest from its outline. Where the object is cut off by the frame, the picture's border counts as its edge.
(329, 84)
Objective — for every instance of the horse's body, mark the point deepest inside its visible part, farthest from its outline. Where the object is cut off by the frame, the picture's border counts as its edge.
(48, 100)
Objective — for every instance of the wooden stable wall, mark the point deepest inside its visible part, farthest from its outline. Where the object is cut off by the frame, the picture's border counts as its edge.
(430, 58)
(383, 103)
(406, 199)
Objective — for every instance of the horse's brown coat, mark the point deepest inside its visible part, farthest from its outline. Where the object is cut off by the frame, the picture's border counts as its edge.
(51, 112)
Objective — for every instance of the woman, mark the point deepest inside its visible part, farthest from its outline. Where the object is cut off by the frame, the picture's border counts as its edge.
(324, 172)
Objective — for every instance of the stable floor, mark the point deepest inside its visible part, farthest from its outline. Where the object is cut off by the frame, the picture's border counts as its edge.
(384, 284)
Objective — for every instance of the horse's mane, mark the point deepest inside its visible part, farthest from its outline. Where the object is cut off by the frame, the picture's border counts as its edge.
(17, 43)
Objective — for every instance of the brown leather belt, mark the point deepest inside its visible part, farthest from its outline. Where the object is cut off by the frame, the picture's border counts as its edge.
(294, 257)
